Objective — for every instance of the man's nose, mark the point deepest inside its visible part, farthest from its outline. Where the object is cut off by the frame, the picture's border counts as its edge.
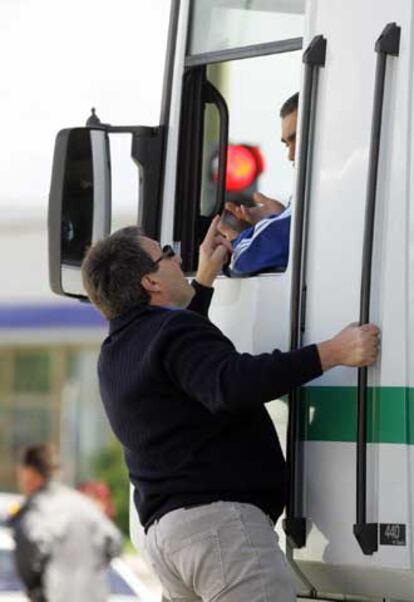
(177, 257)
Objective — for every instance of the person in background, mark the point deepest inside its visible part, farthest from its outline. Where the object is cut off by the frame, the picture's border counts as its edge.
(263, 243)
(63, 541)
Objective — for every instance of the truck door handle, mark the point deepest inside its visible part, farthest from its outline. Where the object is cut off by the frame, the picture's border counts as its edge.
(313, 58)
(387, 44)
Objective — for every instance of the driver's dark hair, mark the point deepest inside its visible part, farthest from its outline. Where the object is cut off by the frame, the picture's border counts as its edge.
(41, 458)
(290, 105)
(112, 271)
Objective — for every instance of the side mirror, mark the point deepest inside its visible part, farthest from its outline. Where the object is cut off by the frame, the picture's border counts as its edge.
(79, 204)
(80, 194)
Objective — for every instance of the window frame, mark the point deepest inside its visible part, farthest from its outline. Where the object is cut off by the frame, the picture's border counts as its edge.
(189, 224)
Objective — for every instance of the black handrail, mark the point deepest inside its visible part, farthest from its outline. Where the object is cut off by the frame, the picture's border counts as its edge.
(212, 95)
(387, 44)
(313, 58)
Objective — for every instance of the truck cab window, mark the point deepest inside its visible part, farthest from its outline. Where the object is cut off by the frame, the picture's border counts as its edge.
(260, 167)
(224, 24)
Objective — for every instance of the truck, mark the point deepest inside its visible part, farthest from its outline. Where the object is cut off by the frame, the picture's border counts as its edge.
(349, 435)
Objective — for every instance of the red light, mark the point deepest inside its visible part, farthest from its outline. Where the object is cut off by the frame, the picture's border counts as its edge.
(255, 150)
(244, 164)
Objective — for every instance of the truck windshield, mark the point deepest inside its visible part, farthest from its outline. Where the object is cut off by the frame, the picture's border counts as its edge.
(224, 24)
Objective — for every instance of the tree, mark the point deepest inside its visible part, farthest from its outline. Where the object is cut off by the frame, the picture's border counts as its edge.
(110, 468)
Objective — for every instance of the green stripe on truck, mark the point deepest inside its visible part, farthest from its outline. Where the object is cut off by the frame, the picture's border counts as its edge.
(330, 414)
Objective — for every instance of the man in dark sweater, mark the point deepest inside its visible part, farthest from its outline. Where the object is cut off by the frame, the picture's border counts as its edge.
(202, 453)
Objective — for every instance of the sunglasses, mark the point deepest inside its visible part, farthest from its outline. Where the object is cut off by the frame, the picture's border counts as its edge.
(167, 252)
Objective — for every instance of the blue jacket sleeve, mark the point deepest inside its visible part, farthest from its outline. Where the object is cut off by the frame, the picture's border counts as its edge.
(266, 246)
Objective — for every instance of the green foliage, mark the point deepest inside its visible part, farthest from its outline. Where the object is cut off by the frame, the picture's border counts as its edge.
(110, 468)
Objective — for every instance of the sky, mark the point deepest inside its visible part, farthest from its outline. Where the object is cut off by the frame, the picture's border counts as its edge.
(60, 58)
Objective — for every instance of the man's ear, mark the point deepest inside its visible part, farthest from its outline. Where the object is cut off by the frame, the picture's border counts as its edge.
(150, 284)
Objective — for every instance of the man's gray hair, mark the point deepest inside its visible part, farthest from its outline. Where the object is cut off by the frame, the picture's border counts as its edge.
(112, 271)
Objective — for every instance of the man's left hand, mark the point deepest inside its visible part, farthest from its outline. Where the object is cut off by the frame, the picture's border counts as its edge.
(214, 252)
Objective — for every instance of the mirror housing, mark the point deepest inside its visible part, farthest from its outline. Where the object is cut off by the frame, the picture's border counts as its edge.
(79, 204)
(80, 194)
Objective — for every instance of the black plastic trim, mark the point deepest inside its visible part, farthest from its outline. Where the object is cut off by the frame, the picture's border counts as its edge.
(295, 529)
(169, 62)
(212, 95)
(147, 151)
(387, 43)
(244, 52)
(55, 212)
(189, 165)
(315, 53)
(367, 536)
(191, 12)
(389, 40)
(137, 130)
(313, 58)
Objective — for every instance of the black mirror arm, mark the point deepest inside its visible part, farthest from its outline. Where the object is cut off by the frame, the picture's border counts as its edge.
(147, 152)
(94, 122)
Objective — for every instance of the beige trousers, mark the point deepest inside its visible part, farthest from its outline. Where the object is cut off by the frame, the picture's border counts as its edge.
(220, 552)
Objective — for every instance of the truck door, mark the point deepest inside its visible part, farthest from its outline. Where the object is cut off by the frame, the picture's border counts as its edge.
(236, 67)
(354, 472)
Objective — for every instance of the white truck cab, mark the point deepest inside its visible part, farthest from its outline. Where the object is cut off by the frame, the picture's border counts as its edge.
(230, 65)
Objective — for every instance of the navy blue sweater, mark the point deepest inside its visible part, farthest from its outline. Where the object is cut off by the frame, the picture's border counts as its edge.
(189, 409)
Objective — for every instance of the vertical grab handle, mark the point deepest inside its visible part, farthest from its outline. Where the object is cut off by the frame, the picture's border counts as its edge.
(387, 44)
(213, 96)
(313, 58)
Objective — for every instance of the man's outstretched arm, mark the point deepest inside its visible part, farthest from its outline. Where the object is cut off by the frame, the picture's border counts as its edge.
(214, 252)
(205, 364)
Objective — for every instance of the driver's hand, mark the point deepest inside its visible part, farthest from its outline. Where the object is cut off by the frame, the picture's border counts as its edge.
(227, 231)
(265, 206)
